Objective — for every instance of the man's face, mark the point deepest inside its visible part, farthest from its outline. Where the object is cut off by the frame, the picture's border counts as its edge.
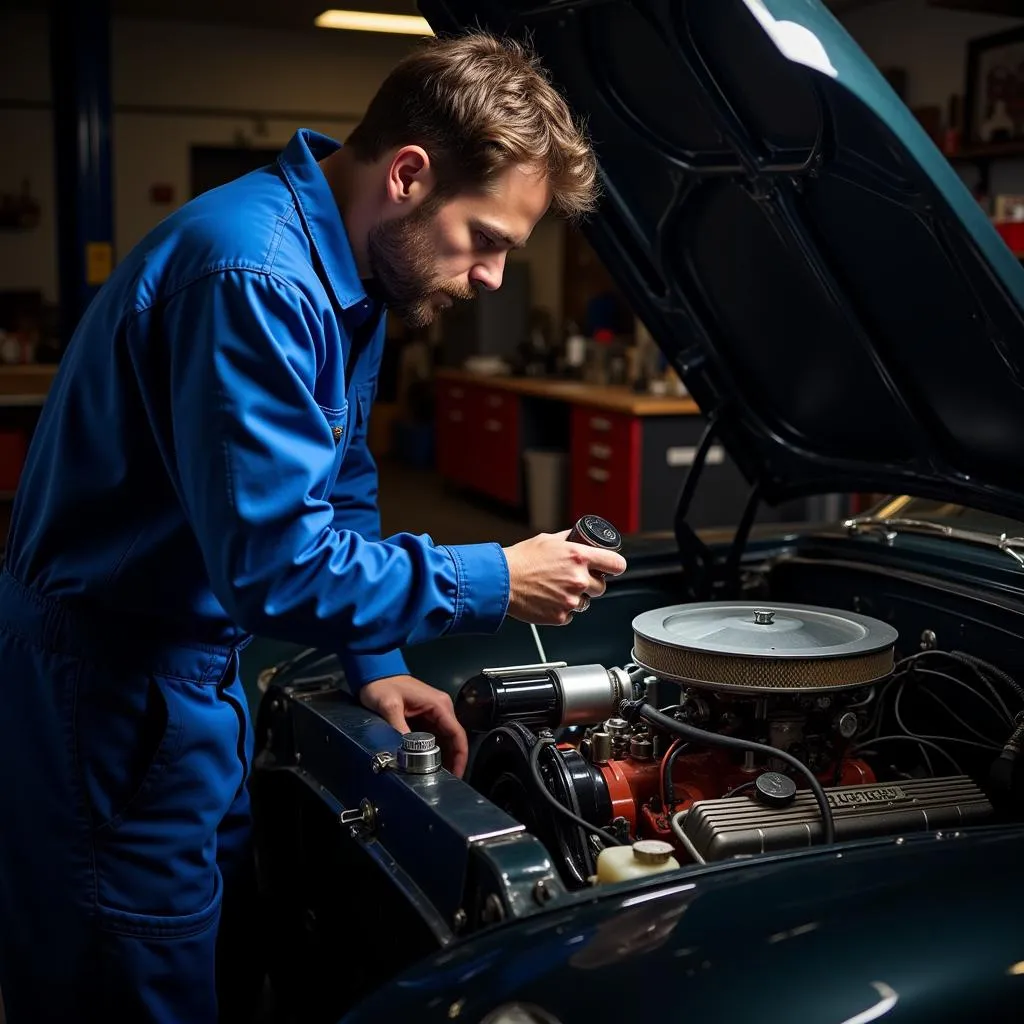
(427, 259)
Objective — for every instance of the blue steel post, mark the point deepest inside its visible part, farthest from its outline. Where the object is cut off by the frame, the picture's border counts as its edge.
(80, 75)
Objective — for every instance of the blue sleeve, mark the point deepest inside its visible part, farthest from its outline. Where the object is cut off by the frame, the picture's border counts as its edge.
(355, 508)
(255, 461)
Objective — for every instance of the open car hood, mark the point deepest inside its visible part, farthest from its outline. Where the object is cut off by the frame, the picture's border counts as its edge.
(811, 264)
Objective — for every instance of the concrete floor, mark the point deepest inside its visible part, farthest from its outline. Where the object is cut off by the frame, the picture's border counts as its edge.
(417, 501)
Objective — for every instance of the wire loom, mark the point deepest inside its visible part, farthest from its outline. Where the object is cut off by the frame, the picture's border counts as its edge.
(915, 671)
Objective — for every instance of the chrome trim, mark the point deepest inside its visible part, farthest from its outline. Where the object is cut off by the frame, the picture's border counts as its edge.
(894, 525)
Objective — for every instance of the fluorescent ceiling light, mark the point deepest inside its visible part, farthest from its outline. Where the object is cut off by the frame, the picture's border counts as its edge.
(368, 21)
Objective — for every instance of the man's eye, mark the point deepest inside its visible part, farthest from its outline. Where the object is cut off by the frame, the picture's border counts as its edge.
(484, 241)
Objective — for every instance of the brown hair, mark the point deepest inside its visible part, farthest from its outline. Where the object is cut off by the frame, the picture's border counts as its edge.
(478, 104)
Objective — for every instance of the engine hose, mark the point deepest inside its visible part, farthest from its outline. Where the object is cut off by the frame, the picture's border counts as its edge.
(981, 667)
(630, 710)
(596, 830)
(670, 789)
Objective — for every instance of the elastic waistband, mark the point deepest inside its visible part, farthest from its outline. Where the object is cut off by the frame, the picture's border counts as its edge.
(82, 630)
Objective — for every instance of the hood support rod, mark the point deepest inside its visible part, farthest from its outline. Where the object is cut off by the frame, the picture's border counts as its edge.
(694, 554)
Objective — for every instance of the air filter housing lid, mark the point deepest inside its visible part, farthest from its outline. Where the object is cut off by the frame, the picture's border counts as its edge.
(751, 646)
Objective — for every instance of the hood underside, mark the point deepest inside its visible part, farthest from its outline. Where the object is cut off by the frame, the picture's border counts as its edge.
(811, 264)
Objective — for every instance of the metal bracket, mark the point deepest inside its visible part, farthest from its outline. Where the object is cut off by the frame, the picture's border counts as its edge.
(363, 817)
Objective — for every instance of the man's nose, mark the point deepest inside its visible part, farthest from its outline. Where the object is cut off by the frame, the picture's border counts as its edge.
(488, 273)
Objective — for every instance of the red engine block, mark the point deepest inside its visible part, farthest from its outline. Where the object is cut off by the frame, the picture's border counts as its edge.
(636, 787)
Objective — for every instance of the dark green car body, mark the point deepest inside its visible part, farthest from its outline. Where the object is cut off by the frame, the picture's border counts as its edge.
(924, 932)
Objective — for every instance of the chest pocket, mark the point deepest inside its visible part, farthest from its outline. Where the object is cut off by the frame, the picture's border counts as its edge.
(348, 427)
(341, 423)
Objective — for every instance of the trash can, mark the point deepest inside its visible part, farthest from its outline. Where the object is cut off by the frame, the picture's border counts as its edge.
(546, 489)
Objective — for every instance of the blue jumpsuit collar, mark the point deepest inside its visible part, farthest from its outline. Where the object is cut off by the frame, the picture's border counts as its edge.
(320, 213)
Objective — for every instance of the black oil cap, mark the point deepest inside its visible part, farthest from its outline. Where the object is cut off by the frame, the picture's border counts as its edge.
(775, 789)
(596, 532)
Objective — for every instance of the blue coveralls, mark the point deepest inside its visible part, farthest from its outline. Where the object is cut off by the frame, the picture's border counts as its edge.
(199, 474)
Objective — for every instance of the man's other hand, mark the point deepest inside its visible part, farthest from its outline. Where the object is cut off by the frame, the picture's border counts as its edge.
(551, 578)
(400, 698)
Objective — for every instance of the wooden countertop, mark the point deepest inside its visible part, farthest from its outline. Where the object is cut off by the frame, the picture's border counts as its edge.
(28, 385)
(25, 385)
(614, 399)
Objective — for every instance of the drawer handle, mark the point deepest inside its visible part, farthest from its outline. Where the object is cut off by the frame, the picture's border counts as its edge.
(456, 393)
(494, 426)
(495, 401)
(684, 455)
(600, 423)
(600, 475)
(600, 451)
(455, 415)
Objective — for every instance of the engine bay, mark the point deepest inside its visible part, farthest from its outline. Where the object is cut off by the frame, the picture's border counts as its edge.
(729, 731)
(737, 729)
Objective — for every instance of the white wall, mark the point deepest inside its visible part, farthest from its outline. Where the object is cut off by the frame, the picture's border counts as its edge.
(188, 79)
(174, 66)
(930, 43)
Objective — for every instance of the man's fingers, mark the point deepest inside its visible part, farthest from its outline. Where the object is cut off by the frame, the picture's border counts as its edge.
(460, 755)
(399, 698)
(611, 563)
(393, 712)
(448, 729)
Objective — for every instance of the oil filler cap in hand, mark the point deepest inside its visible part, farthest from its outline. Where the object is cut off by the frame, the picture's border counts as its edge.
(596, 532)
(775, 789)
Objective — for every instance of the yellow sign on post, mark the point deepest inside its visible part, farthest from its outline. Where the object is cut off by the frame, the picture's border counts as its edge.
(99, 262)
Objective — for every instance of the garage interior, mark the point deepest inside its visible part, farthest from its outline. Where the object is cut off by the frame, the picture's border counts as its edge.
(553, 382)
(518, 413)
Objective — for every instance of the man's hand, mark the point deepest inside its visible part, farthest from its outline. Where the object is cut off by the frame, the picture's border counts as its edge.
(550, 576)
(398, 698)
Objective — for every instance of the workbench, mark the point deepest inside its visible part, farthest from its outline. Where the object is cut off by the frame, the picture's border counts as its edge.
(23, 390)
(22, 386)
(628, 452)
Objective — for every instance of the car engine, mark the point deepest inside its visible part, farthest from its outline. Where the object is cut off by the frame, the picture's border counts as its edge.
(736, 729)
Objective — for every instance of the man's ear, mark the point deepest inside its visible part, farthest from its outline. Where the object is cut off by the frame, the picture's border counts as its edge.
(410, 177)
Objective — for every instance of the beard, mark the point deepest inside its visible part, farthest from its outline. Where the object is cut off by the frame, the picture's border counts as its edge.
(402, 258)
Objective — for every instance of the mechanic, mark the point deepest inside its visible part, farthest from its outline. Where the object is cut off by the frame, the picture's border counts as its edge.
(200, 474)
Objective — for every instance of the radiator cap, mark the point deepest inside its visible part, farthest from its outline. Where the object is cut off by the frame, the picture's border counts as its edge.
(419, 754)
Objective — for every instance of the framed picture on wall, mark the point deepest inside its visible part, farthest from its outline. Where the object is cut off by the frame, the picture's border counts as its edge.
(994, 90)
